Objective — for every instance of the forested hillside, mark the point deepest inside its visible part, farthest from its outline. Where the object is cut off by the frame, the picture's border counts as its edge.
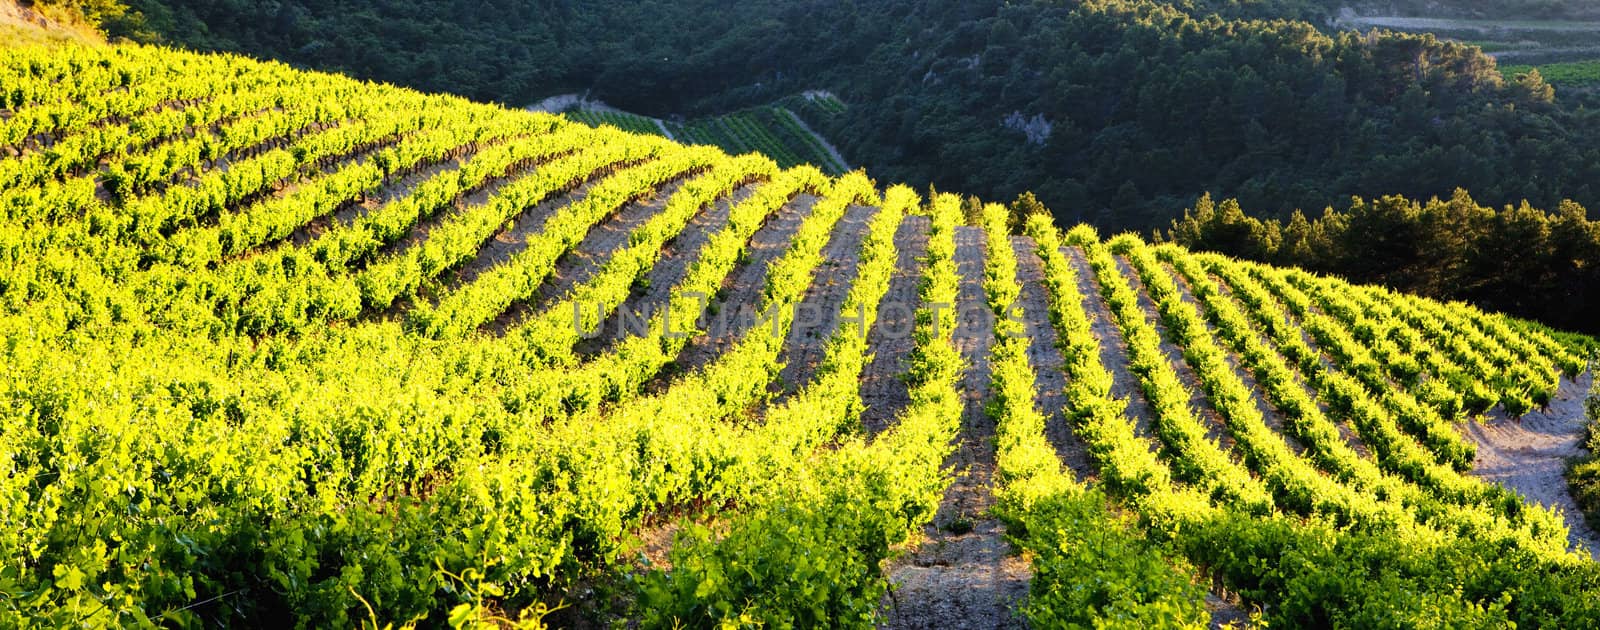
(1118, 111)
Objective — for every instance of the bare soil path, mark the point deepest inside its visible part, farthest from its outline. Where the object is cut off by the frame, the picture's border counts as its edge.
(677, 257)
(1217, 430)
(833, 151)
(1113, 347)
(1346, 432)
(816, 319)
(1044, 355)
(1273, 419)
(388, 193)
(534, 216)
(964, 575)
(582, 260)
(735, 312)
(1530, 455)
(882, 391)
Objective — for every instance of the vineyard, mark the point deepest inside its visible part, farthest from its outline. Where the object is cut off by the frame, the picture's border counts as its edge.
(775, 132)
(1562, 74)
(285, 348)
(621, 120)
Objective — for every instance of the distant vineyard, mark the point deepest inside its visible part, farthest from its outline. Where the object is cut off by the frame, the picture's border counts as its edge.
(771, 131)
(1571, 73)
(285, 348)
(621, 120)
(823, 102)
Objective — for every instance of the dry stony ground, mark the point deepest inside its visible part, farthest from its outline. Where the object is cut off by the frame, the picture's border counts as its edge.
(882, 391)
(1050, 379)
(817, 314)
(964, 574)
(533, 217)
(674, 262)
(580, 262)
(1530, 455)
(583, 261)
(393, 190)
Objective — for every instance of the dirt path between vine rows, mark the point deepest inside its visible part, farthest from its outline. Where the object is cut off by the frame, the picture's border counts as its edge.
(677, 257)
(1530, 456)
(288, 186)
(1113, 347)
(882, 391)
(1269, 413)
(963, 574)
(1199, 402)
(817, 316)
(580, 264)
(728, 318)
(480, 195)
(1224, 608)
(1346, 432)
(582, 259)
(1050, 378)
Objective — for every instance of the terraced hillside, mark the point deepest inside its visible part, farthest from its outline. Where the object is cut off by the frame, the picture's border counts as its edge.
(284, 347)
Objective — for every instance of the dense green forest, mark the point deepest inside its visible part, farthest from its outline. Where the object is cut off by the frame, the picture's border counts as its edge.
(1121, 112)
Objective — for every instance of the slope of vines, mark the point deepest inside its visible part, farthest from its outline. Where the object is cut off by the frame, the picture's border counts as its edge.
(285, 348)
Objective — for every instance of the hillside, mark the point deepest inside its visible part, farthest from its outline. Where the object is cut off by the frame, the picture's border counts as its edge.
(24, 25)
(284, 347)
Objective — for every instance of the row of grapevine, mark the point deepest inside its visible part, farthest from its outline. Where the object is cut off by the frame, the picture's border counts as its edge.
(1351, 480)
(145, 216)
(1128, 462)
(1296, 483)
(772, 131)
(1516, 390)
(572, 492)
(75, 153)
(844, 510)
(1372, 358)
(1407, 356)
(277, 217)
(1194, 458)
(552, 333)
(93, 93)
(1347, 399)
(1051, 512)
(1279, 358)
(618, 374)
(493, 291)
(294, 287)
(250, 389)
(1232, 543)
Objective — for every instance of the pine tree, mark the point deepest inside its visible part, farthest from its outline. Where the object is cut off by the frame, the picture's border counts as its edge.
(1025, 206)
